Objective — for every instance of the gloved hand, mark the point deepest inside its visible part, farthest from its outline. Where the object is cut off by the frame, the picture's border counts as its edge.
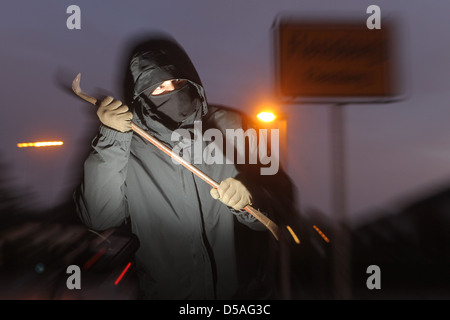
(112, 113)
(232, 193)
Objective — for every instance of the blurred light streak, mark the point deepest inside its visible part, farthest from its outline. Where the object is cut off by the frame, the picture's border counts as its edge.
(122, 274)
(94, 258)
(321, 233)
(40, 144)
(294, 236)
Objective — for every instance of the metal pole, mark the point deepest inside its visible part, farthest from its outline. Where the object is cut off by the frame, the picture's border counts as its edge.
(341, 251)
(285, 257)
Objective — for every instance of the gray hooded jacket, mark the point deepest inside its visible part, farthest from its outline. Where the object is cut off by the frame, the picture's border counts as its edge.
(191, 246)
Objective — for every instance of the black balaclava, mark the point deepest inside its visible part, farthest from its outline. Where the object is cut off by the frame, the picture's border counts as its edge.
(173, 106)
(153, 62)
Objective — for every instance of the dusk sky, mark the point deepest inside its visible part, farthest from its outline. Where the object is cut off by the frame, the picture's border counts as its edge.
(395, 151)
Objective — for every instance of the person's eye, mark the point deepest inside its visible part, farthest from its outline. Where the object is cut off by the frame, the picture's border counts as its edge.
(179, 83)
(158, 90)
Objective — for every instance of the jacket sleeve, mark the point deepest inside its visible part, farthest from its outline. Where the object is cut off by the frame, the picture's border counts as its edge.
(101, 197)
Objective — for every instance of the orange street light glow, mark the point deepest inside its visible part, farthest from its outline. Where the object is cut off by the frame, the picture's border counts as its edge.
(40, 144)
(266, 116)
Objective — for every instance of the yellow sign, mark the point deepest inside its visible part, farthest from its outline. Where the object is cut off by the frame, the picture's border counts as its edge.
(333, 60)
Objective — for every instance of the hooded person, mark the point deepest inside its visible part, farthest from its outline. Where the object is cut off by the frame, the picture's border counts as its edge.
(192, 246)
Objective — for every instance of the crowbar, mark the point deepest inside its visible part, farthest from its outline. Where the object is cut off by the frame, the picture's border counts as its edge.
(273, 228)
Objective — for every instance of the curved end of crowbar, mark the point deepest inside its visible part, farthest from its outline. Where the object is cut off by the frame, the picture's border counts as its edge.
(77, 89)
(270, 225)
(76, 83)
(273, 228)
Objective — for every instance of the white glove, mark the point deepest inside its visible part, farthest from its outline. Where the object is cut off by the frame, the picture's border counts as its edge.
(112, 113)
(232, 193)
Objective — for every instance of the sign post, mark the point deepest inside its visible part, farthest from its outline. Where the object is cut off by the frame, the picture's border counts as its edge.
(333, 62)
(338, 63)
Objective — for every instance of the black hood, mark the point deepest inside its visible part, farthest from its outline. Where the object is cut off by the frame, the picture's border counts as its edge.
(153, 59)
(158, 60)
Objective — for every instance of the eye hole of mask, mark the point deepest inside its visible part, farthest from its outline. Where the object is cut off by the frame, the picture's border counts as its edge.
(169, 86)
